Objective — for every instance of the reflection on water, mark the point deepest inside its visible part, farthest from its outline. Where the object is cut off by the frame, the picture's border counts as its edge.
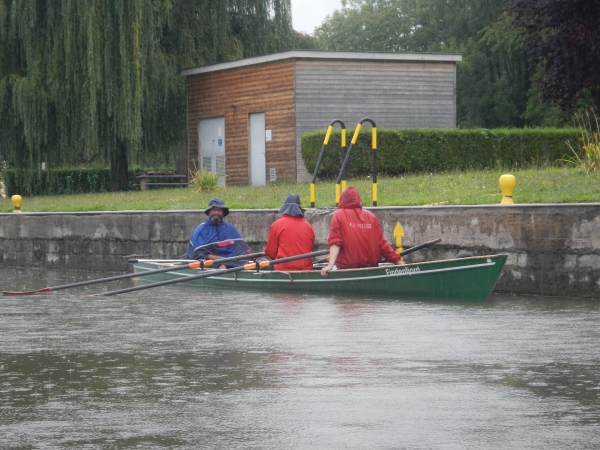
(178, 368)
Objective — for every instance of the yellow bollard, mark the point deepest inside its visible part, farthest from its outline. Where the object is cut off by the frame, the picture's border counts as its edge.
(398, 234)
(16, 200)
(507, 184)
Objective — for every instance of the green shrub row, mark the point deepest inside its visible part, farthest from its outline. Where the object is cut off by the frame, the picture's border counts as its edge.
(28, 182)
(439, 150)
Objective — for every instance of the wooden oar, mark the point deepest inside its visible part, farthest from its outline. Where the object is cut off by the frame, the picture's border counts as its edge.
(192, 265)
(251, 266)
(419, 247)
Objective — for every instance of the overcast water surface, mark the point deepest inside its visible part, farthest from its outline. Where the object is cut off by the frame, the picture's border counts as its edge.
(174, 368)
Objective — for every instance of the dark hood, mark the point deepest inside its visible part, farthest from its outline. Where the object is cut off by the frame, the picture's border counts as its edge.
(291, 206)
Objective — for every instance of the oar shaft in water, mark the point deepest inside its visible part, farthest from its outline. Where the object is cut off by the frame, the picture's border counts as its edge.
(192, 265)
(251, 266)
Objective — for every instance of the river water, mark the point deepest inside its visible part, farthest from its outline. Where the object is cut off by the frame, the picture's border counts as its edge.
(174, 368)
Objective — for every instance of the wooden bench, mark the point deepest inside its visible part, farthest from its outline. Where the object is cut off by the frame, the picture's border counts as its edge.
(168, 179)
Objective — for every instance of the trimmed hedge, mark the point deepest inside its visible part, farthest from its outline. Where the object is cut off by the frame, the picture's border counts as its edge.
(28, 182)
(437, 150)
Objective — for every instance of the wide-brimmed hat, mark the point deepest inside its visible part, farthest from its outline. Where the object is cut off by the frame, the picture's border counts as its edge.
(291, 206)
(216, 203)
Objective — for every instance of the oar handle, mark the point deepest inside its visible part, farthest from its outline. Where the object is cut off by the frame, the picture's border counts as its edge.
(200, 263)
(297, 257)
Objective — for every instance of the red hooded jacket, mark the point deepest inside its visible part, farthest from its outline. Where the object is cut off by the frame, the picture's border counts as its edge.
(358, 234)
(290, 236)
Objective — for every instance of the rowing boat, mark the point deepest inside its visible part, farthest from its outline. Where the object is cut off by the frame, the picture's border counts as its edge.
(471, 278)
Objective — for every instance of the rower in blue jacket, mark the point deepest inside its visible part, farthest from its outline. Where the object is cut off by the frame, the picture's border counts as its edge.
(216, 239)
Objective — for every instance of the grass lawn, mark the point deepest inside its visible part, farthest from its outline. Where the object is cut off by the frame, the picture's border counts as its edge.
(552, 185)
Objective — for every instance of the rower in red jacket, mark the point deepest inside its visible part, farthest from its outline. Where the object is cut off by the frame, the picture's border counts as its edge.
(355, 236)
(291, 235)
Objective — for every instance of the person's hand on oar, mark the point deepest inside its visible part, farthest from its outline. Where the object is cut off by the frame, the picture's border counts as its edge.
(334, 251)
(193, 265)
(214, 259)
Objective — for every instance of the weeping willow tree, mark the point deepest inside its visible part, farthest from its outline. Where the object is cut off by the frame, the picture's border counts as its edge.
(83, 81)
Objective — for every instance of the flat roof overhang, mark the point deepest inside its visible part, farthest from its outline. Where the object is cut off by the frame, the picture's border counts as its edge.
(312, 54)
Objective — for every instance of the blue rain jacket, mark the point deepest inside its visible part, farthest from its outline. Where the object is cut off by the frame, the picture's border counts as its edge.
(208, 233)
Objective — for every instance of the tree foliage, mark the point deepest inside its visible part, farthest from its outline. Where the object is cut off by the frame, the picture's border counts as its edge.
(303, 41)
(87, 79)
(373, 25)
(407, 25)
(493, 80)
(563, 38)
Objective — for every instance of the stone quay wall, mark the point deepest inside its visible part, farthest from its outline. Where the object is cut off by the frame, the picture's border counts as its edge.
(553, 249)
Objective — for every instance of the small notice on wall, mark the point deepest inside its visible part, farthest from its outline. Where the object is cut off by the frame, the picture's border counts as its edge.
(268, 137)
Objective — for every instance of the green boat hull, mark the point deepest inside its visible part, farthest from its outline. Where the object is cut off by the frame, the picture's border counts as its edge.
(471, 278)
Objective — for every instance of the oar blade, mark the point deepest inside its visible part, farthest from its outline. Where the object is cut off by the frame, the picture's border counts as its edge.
(34, 291)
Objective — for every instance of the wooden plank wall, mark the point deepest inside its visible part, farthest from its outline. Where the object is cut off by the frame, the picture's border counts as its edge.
(395, 94)
(267, 88)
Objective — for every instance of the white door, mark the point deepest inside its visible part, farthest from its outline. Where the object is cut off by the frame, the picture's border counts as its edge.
(211, 153)
(258, 164)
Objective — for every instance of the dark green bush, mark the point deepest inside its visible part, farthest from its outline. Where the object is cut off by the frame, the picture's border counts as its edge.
(437, 150)
(30, 182)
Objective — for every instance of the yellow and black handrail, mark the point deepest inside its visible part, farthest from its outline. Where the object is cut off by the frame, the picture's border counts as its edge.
(325, 143)
(373, 157)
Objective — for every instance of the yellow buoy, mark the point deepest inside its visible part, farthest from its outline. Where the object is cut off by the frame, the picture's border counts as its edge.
(507, 184)
(16, 200)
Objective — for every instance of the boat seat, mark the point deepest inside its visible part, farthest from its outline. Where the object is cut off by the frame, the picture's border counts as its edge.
(289, 275)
